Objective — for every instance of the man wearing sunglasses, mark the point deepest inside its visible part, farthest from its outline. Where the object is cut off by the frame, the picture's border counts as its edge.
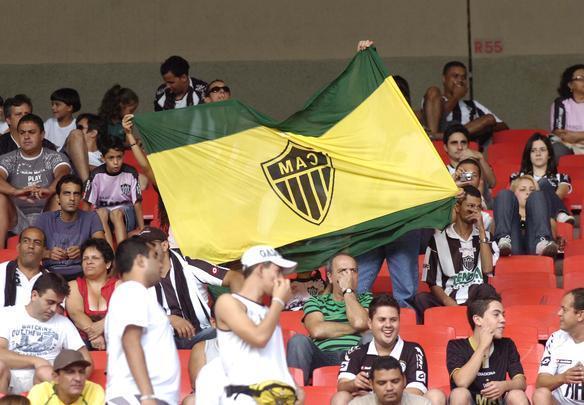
(217, 90)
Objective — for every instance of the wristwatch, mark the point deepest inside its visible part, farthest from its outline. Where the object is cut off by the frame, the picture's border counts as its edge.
(348, 291)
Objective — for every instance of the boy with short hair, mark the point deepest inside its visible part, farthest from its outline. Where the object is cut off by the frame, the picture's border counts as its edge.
(113, 188)
(64, 103)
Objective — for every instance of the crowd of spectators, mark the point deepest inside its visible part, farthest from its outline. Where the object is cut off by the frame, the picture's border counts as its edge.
(90, 275)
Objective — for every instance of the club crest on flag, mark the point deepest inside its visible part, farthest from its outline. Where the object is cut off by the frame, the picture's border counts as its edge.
(303, 179)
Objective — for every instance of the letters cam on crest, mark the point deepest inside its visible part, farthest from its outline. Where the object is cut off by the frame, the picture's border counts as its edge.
(303, 179)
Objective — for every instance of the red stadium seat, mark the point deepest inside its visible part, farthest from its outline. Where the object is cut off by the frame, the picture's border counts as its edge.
(99, 359)
(292, 320)
(149, 203)
(129, 159)
(448, 316)
(287, 335)
(573, 280)
(382, 283)
(574, 264)
(437, 371)
(185, 380)
(530, 355)
(574, 248)
(573, 200)
(7, 255)
(542, 317)
(522, 334)
(297, 375)
(524, 279)
(524, 264)
(503, 170)
(407, 316)
(319, 395)
(573, 165)
(12, 242)
(325, 376)
(426, 336)
(517, 295)
(515, 136)
(565, 230)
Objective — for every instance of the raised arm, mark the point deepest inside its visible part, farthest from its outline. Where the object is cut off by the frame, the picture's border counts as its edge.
(231, 315)
(128, 125)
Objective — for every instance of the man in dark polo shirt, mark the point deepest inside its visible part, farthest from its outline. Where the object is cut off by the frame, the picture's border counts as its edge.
(334, 321)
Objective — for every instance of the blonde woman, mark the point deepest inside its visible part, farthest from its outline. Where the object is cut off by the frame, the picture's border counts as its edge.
(522, 224)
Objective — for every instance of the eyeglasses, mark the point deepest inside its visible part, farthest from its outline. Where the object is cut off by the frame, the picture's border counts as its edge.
(82, 128)
(217, 89)
(577, 79)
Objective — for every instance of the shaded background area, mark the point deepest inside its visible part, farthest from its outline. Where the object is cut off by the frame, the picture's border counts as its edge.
(274, 55)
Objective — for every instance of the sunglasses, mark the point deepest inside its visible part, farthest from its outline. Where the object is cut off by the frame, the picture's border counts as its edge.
(577, 78)
(82, 128)
(217, 89)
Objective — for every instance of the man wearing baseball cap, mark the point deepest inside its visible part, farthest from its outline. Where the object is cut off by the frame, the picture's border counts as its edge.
(70, 385)
(183, 290)
(248, 332)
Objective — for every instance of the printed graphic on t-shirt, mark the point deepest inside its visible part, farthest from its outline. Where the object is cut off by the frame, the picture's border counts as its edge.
(34, 340)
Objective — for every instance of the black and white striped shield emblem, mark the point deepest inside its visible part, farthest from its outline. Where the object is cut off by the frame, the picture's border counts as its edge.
(303, 179)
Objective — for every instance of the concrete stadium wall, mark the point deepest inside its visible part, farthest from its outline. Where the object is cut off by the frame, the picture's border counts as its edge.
(276, 54)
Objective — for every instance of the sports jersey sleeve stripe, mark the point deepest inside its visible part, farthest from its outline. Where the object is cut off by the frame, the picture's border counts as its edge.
(311, 306)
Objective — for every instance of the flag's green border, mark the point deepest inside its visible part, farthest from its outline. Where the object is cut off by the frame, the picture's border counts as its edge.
(171, 129)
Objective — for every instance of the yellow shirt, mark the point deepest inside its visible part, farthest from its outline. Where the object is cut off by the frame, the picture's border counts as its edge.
(44, 394)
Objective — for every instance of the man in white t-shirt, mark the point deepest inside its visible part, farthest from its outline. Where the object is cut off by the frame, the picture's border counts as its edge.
(142, 361)
(561, 372)
(17, 277)
(32, 335)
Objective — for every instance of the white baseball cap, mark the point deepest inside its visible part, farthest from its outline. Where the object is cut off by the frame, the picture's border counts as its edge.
(263, 253)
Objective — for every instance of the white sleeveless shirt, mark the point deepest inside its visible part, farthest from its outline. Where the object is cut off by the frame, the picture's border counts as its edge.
(244, 364)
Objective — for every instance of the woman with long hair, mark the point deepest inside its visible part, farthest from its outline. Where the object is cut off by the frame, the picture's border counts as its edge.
(117, 102)
(538, 161)
(567, 113)
(88, 300)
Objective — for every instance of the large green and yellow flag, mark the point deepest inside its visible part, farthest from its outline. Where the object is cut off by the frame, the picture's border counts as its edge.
(351, 171)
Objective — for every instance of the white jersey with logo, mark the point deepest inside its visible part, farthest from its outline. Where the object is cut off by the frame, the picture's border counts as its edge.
(562, 353)
(244, 364)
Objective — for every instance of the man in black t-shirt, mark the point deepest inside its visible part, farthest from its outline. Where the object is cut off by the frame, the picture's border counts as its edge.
(384, 320)
(478, 366)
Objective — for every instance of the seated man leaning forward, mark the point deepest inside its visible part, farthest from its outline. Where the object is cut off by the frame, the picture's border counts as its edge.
(32, 335)
(388, 382)
(334, 321)
(69, 385)
(459, 258)
(384, 322)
